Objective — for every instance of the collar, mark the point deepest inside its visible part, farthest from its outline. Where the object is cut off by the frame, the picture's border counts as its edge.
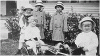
(31, 27)
(59, 13)
(37, 11)
(87, 32)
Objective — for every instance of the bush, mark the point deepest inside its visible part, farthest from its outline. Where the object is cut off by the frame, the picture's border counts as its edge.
(13, 26)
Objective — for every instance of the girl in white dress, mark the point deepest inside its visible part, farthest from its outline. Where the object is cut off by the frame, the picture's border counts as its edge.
(31, 32)
(87, 39)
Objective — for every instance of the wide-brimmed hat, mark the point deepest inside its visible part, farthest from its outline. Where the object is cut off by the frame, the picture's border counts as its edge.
(60, 4)
(28, 7)
(39, 3)
(86, 19)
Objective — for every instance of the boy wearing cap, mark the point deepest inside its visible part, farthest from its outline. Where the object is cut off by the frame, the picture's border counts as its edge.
(87, 39)
(31, 35)
(40, 14)
(58, 24)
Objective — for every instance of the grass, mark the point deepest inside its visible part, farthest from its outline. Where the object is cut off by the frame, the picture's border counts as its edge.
(8, 47)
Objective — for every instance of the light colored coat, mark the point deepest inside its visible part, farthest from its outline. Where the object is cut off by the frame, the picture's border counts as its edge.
(58, 24)
(89, 41)
(41, 21)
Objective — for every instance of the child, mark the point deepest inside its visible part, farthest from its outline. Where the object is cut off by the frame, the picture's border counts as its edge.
(40, 14)
(23, 22)
(58, 24)
(87, 39)
(31, 32)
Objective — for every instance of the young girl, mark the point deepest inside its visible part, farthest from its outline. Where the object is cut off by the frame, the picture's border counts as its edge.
(31, 32)
(87, 39)
(23, 22)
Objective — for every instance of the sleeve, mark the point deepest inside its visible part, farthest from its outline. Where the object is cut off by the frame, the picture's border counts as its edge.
(21, 23)
(39, 37)
(65, 27)
(93, 44)
(78, 40)
(36, 33)
(51, 23)
(44, 20)
(27, 34)
(41, 42)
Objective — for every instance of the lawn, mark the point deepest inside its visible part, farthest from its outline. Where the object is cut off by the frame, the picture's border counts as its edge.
(8, 47)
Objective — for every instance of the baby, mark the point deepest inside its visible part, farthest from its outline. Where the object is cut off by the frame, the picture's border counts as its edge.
(87, 39)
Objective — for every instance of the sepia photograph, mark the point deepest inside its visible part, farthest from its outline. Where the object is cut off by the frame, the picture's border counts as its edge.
(49, 27)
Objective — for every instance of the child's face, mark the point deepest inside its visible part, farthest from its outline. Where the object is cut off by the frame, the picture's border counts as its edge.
(59, 8)
(28, 11)
(38, 8)
(86, 26)
(33, 23)
(42, 8)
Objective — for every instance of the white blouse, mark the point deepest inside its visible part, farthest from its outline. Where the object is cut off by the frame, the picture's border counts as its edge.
(32, 32)
(87, 40)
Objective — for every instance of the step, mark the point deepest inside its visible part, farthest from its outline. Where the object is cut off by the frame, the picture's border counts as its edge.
(4, 31)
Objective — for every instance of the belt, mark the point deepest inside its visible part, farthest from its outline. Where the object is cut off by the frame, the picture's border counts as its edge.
(57, 27)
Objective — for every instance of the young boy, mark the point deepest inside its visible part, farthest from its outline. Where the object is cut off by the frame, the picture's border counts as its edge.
(31, 32)
(58, 24)
(87, 39)
(40, 14)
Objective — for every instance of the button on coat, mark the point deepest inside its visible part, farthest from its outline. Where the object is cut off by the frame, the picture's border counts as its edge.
(59, 25)
(41, 21)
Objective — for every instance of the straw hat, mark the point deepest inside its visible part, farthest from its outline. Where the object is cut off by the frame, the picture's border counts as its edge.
(86, 19)
(39, 3)
(29, 6)
(59, 4)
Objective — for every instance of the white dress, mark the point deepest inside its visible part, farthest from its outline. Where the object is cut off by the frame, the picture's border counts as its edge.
(89, 41)
(31, 33)
(22, 25)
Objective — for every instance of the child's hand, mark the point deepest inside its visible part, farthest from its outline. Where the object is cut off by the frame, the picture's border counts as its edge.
(85, 49)
(23, 27)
